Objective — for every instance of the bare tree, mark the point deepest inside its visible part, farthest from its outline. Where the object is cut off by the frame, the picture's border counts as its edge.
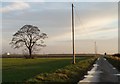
(30, 37)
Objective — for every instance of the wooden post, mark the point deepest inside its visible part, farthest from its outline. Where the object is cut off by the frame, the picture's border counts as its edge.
(73, 34)
(95, 49)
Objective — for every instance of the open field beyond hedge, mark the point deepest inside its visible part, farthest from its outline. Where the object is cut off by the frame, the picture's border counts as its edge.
(20, 69)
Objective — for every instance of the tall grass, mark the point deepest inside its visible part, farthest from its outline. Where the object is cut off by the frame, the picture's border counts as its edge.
(71, 73)
(115, 61)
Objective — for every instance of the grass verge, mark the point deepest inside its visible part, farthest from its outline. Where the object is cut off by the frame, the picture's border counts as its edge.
(115, 61)
(71, 73)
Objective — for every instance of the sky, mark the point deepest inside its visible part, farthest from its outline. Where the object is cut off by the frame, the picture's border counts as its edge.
(94, 21)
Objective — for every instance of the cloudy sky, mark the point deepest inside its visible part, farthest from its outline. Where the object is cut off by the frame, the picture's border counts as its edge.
(94, 21)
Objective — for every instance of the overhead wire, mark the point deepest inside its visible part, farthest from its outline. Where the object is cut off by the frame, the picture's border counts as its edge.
(77, 15)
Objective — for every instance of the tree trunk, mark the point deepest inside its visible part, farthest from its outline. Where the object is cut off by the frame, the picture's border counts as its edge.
(30, 53)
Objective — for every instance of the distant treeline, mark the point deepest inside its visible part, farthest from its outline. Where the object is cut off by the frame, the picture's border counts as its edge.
(45, 55)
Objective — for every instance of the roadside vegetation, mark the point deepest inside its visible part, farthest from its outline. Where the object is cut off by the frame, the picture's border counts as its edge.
(116, 55)
(21, 69)
(69, 74)
(115, 61)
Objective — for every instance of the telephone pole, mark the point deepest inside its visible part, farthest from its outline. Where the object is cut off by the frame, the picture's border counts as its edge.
(73, 41)
(95, 49)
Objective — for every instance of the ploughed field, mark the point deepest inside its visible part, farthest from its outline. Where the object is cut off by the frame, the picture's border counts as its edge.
(21, 69)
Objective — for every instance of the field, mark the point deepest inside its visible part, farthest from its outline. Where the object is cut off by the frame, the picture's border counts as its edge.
(68, 74)
(20, 69)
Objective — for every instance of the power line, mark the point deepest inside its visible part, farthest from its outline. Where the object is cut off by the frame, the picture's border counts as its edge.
(77, 15)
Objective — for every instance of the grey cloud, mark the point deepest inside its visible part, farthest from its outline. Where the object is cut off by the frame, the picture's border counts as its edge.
(61, 18)
(14, 6)
(57, 21)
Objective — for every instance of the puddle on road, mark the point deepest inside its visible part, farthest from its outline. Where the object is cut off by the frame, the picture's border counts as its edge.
(104, 59)
(94, 72)
(95, 65)
(116, 74)
(114, 68)
(98, 58)
(92, 75)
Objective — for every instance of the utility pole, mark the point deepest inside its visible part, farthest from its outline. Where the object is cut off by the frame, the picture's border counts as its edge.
(73, 35)
(95, 49)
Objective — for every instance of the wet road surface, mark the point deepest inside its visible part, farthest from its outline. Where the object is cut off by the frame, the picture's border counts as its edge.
(101, 73)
